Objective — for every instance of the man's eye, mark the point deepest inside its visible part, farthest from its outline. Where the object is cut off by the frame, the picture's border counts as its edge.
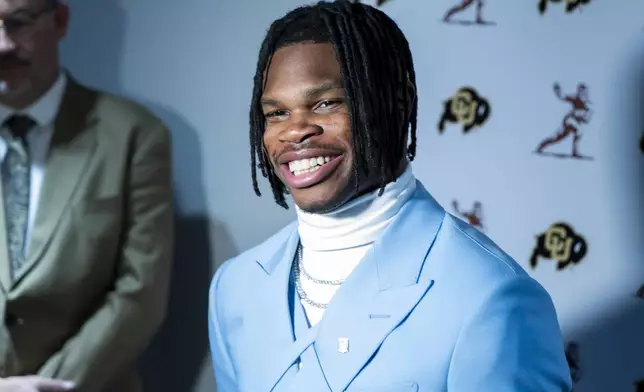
(276, 113)
(15, 24)
(327, 104)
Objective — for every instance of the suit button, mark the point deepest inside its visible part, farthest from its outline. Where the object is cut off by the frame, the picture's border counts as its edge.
(11, 320)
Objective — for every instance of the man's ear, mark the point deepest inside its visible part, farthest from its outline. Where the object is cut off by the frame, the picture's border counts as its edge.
(61, 15)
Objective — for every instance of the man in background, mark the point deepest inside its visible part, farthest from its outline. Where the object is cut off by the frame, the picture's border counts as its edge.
(86, 216)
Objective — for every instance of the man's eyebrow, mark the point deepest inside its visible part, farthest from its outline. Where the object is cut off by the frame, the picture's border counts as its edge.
(309, 93)
(23, 9)
(323, 88)
(270, 102)
(19, 12)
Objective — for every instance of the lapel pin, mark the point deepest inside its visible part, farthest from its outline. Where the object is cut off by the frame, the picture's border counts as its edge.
(343, 345)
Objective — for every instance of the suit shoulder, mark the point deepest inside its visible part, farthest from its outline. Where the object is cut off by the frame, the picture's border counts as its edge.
(469, 266)
(126, 107)
(123, 113)
(471, 253)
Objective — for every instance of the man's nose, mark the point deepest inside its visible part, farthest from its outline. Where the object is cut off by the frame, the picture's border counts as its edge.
(6, 43)
(300, 129)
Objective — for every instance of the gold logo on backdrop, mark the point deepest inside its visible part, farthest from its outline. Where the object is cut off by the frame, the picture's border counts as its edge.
(558, 244)
(561, 244)
(465, 107)
(570, 5)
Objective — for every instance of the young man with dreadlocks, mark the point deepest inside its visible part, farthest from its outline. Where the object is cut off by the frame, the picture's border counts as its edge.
(375, 287)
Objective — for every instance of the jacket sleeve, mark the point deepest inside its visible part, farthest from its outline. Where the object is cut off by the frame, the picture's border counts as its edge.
(223, 368)
(512, 344)
(113, 337)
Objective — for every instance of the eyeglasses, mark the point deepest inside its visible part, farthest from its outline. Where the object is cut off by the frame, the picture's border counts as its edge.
(19, 23)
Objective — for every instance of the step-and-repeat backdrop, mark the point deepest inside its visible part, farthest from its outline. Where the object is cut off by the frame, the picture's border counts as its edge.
(531, 128)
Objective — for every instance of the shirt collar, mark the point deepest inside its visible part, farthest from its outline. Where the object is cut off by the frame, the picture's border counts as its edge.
(45, 109)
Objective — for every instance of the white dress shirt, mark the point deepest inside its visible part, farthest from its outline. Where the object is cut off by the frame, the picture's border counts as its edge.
(43, 112)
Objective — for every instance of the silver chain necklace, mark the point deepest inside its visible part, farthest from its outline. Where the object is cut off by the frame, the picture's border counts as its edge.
(298, 268)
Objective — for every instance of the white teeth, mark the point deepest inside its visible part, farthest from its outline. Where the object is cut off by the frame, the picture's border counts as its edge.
(311, 170)
(307, 165)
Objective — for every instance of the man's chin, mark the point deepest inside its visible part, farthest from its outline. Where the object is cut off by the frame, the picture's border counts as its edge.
(13, 88)
(319, 205)
(324, 197)
(317, 208)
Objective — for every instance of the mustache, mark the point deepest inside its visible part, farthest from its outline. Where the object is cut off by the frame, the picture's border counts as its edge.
(12, 60)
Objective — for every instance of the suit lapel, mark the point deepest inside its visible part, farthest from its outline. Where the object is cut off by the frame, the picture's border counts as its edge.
(380, 293)
(310, 377)
(72, 146)
(273, 318)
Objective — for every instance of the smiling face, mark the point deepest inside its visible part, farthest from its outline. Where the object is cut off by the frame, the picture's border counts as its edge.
(333, 113)
(308, 131)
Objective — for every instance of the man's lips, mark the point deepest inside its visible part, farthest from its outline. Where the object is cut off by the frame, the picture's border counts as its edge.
(306, 168)
(8, 64)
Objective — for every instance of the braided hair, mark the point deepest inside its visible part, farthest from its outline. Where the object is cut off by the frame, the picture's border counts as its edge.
(376, 65)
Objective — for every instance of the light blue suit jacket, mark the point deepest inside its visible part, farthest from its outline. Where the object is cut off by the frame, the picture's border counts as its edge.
(435, 306)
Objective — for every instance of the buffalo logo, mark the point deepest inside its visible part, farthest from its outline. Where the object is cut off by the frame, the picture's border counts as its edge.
(474, 217)
(462, 6)
(639, 386)
(578, 114)
(574, 363)
(640, 292)
(571, 5)
(561, 244)
(466, 107)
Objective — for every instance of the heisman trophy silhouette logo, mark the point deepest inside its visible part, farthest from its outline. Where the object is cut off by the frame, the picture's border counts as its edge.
(474, 216)
(578, 115)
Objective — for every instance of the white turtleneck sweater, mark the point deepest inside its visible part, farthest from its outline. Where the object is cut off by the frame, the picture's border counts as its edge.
(335, 243)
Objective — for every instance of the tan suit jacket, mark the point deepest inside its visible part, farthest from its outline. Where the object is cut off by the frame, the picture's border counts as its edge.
(95, 284)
